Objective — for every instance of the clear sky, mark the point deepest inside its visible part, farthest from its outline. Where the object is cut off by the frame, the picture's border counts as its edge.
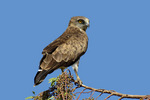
(118, 55)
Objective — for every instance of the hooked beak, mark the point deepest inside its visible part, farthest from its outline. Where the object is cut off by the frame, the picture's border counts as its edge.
(88, 25)
(87, 22)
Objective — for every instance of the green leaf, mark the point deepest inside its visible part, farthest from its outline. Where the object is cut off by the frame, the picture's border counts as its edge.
(52, 81)
(30, 97)
(33, 92)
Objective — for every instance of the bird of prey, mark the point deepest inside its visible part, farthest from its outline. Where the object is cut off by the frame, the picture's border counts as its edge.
(65, 51)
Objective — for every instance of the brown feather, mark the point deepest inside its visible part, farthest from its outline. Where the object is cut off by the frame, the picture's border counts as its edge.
(64, 51)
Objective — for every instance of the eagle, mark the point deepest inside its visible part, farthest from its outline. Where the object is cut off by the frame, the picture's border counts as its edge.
(65, 51)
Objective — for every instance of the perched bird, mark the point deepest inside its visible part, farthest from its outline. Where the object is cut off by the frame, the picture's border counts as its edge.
(65, 51)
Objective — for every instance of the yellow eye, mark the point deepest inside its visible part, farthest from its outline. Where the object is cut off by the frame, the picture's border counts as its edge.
(81, 21)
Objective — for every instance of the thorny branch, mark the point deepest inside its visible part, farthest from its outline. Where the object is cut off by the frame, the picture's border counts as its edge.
(62, 90)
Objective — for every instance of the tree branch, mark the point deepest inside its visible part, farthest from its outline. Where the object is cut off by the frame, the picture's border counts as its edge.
(62, 89)
(117, 93)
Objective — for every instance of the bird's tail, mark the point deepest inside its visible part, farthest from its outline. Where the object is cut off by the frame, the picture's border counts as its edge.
(40, 76)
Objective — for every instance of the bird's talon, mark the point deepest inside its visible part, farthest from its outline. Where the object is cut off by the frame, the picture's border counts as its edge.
(79, 82)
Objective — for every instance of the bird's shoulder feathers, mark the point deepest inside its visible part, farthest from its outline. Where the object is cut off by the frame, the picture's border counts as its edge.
(65, 37)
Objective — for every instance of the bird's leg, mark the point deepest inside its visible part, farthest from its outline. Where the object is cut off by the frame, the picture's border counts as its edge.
(62, 69)
(78, 78)
(75, 68)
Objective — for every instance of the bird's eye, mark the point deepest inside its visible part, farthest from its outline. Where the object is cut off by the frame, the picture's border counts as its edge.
(81, 21)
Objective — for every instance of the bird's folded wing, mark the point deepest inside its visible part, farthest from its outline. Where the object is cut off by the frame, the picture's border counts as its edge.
(71, 50)
(64, 55)
(52, 46)
(65, 50)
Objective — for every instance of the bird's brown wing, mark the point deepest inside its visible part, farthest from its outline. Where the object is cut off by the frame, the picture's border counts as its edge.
(71, 50)
(52, 46)
(48, 50)
(64, 53)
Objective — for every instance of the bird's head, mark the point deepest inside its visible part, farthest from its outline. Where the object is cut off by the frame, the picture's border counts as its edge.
(80, 21)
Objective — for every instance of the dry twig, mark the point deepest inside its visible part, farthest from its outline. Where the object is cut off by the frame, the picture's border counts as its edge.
(117, 93)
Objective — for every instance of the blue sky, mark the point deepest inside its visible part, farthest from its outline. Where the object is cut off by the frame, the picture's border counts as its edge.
(118, 55)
